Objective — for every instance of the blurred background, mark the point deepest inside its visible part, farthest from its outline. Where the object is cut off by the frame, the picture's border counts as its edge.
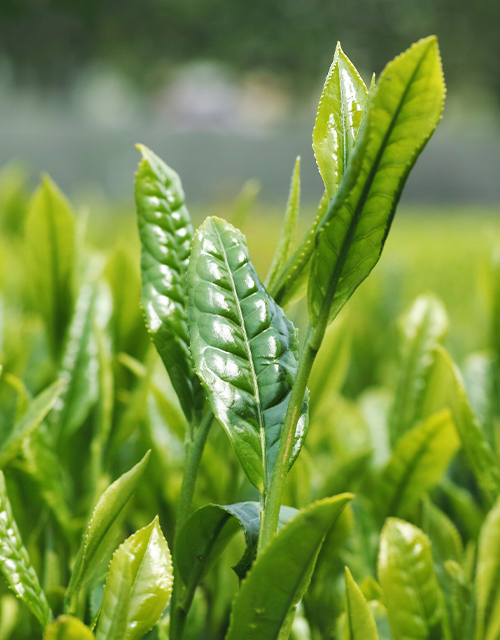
(227, 90)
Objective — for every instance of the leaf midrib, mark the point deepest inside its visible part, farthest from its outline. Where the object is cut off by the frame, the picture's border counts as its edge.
(262, 434)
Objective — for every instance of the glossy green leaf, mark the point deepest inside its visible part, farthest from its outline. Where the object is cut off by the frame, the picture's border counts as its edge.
(402, 115)
(417, 463)
(67, 628)
(445, 389)
(360, 624)
(286, 244)
(15, 563)
(102, 528)
(208, 530)
(280, 576)
(406, 574)
(244, 348)
(50, 243)
(488, 577)
(36, 412)
(138, 586)
(291, 285)
(337, 121)
(80, 368)
(166, 233)
(423, 328)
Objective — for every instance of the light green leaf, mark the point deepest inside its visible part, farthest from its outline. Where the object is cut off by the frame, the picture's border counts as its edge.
(403, 113)
(36, 412)
(338, 119)
(138, 586)
(466, 510)
(444, 536)
(9, 611)
(166, 233)
(80, 368)
(101, 530)
(406, 574)
(15, 563)
(244, 202)
(286, 244)
(423, 327)
(23, 395)
(67, 628)
(50, 244)
(280, 576)
(445, 389)
(360, 624)
(419, 460)
(244, 348)
(488, 577)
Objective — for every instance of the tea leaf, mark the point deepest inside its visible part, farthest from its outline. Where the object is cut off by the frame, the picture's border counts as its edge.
(402, 115)
(166, 233)
(488, 577)
(280, 576)
(208, 530)
(360, 624)
(286, 243)
(15, 563)
(79, 368)
(445, 389)
(50, 243)
(406, 574)
(138, 586)
(36, 412)
(423, 328)
(338, 119)
(67, 628)
(244, 348)
(102, 527)
(419, 460)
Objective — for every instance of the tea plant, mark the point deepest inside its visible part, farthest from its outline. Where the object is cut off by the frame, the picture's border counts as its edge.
(221, 448)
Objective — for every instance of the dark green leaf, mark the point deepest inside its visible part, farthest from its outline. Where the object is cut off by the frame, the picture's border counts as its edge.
(280, 576)
(402, 115)
(338, 119)
(419, 460)
(138, 586)
(244, 348)
(423, 328)
(208, 530)
(15, 563)
(166, 233)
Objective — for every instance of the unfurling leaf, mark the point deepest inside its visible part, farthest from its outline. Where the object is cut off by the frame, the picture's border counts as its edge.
(244, 348)
(280, 576)
(337, 121)
(15, 563)
(166, 234)
(138, 586)
(403, 112)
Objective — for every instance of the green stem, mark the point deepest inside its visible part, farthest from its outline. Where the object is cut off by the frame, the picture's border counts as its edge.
(270, 514)
(194, 445)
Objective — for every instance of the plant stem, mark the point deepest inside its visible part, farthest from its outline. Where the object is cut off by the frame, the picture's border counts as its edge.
(270, 514)
(194, 445)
